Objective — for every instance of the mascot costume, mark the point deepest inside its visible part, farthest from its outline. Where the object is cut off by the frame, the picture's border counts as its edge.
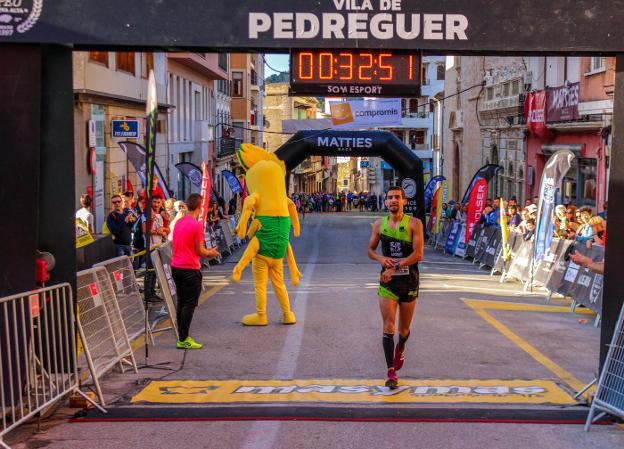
(273, 215)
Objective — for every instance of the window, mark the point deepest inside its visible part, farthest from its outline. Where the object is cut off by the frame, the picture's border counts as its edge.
(489, 93)
(237, 84)
(254, 78)
(596, 63)
(147, 64)
(515, 87)
(441, 72)
(223, 61)
(125, 61)
(417, 137)
(99, 56)
(505, 90)
(423, 77)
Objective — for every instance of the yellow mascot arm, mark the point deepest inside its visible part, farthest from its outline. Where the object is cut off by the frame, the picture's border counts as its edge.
(254, 227)
(294, 217)
(251, 202)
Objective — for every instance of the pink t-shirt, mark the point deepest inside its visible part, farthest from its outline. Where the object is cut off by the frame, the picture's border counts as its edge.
(187, 231)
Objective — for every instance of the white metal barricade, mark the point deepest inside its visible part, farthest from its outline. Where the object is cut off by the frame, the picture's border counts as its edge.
(37, 353)
(128, 295)
(161, 259)
(609, 396)
(101, 327)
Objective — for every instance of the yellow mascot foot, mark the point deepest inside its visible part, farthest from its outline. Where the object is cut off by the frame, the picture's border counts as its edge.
(289, 318)
(254, 319)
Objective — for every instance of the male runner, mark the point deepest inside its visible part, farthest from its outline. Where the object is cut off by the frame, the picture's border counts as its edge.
(402, 247)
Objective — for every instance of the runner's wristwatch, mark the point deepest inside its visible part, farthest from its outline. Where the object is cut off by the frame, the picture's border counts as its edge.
(397, 265)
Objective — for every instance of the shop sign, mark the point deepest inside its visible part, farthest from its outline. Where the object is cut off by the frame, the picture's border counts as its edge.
(562, 103)
(125, 128)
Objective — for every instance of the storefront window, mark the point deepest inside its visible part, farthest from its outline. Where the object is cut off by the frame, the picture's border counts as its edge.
(579, 184)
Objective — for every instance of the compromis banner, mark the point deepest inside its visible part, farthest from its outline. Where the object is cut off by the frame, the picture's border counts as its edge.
(492, 391)
(364, 114)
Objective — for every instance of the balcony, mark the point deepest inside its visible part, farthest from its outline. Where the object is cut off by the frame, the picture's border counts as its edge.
(205, 63)
(203, 131)
(416, 120)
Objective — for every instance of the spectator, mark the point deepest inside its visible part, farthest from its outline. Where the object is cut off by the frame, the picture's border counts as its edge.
(530, 229)
(585, 232)
(128, 199)
(493, 217)
(84, 214)
(603, 214)
(514, 219)
(571, 224)
(599, 237)
(119, 223)
(214, 215)
(180, 208)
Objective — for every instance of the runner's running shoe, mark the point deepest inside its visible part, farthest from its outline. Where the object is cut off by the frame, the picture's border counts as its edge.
(188, 343)
(399, 357)
(393, 381)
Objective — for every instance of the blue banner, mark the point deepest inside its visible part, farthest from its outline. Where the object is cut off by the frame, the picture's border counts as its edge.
(192, 172)
(429, 189)
(125, 128)
(453, 238)
(554, 171)
(235, 186)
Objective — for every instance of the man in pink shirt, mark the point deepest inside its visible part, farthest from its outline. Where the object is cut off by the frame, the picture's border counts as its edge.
(188, 247)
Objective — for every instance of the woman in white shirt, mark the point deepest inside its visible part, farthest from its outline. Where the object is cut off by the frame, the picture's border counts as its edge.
(84, 214)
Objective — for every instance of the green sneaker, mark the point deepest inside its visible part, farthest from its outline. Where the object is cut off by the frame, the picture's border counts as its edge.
(188, 343)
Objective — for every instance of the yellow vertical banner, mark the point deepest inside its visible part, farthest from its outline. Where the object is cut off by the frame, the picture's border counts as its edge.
(504, 230)
(440, 199)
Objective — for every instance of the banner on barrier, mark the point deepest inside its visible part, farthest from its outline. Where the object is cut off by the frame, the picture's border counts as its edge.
(451, 240)
(460, 249)
(554, 171)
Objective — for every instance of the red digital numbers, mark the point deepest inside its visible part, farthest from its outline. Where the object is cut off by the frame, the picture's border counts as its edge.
(356, 66)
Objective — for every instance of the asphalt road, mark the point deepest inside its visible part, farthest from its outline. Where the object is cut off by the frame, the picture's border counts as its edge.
(466, 326)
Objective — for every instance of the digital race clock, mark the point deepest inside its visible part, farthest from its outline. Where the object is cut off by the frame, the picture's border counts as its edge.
(355, 73)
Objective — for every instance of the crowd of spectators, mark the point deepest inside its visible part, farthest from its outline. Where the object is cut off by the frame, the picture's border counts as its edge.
(338, 202)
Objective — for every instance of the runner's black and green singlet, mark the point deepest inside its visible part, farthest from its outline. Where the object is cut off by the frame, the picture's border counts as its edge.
(397, 244)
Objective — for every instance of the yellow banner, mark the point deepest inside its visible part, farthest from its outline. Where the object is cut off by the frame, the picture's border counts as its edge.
(363, 391)
(504, 230)
(440, 197)
(83, 236)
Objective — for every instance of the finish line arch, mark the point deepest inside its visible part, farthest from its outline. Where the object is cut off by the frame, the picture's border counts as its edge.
(362, 143)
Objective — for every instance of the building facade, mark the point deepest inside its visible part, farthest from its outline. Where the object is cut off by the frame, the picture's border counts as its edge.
(577, 117)
(111, 88)
(192, 120)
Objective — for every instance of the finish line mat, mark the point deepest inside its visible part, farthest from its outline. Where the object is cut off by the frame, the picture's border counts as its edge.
(354, 391)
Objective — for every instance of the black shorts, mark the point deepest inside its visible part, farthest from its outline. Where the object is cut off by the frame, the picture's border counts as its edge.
(401, 288)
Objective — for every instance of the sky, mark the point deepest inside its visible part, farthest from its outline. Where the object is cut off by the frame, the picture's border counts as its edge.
(278, 62)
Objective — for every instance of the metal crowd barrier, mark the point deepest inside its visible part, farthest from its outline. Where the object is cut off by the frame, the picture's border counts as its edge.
(101, 326)
(161, 258)
(555, 272)
(37, 354)
(128, 295)
(609, 396)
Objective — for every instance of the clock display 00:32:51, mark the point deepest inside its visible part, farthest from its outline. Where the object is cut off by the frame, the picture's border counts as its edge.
(355, 66)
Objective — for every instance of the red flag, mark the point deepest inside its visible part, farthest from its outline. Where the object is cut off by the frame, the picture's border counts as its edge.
(476, 204)
(205, 193)
(243, 184)
(535, 114)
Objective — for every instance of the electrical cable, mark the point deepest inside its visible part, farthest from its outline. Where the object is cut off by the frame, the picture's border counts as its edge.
(269, 66)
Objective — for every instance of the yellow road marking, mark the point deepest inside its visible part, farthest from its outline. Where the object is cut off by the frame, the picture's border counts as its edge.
(361, 391)
(499, 305)
(561, 373)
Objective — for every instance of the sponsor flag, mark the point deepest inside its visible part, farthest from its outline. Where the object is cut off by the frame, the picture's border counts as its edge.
(437, 227)
(205, 193)
(429, 188)
(434, 207)
(476, 204)
(554, 171)
(504, 230)
(486, 172)
(137, 156)
(535, 114)
(192, 172)
(234, 184)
